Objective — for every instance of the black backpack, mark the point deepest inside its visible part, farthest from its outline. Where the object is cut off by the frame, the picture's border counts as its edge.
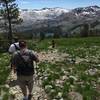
(25, 68)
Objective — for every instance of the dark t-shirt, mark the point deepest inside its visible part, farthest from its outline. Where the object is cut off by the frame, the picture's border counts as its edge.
(23, 60)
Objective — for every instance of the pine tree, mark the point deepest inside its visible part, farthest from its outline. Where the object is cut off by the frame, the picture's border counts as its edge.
(10, 14)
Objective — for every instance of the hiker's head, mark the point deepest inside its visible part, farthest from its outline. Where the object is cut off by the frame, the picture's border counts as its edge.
(22, 44)
(15, 39)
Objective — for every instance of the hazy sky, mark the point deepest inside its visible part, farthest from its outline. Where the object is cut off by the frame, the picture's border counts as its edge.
(37, 4)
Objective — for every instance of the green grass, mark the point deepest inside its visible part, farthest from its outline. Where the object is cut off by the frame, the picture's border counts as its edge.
(4, 70)
(4, 73)
(69, 43)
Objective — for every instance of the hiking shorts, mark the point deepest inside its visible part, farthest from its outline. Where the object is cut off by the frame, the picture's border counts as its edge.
(24, 81)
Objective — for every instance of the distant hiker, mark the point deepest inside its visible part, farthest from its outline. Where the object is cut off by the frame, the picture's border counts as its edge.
(22, 62)
(53, 44)
(14, 47)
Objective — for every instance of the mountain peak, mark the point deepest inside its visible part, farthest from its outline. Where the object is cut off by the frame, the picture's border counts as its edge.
(89, 9)
(95, 6)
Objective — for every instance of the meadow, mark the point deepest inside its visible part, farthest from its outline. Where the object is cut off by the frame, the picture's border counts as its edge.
(76, 75)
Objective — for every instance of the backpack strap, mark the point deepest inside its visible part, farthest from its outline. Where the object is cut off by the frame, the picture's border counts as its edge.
(21, 57)
(16, 47)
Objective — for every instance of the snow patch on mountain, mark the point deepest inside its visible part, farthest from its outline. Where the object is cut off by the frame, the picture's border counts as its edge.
(40, 14)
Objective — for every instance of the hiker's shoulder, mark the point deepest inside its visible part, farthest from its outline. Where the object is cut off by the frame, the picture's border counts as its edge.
(32, 52)
(29, 51)
(12, 45)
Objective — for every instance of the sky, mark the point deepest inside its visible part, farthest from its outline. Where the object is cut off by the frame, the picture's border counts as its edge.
(69, 4)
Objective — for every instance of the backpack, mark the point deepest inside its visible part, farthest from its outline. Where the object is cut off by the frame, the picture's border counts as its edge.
(25, 68)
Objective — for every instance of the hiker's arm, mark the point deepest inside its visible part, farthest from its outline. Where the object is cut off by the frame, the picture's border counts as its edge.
(37, 59)
(34, 57)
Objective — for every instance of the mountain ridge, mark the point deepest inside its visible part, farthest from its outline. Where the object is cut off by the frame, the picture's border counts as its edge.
(51, 17)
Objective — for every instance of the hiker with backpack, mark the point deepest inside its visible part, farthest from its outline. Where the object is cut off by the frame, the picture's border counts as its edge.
(22, 64)
(14, 47)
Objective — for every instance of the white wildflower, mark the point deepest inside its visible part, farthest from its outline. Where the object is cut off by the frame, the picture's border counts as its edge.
(92, 71)
(48, 86)
(73, 77)
(59, 94)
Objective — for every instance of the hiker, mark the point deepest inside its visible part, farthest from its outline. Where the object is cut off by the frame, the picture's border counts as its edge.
(53, 44)
(14, 47)
(22, 63)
